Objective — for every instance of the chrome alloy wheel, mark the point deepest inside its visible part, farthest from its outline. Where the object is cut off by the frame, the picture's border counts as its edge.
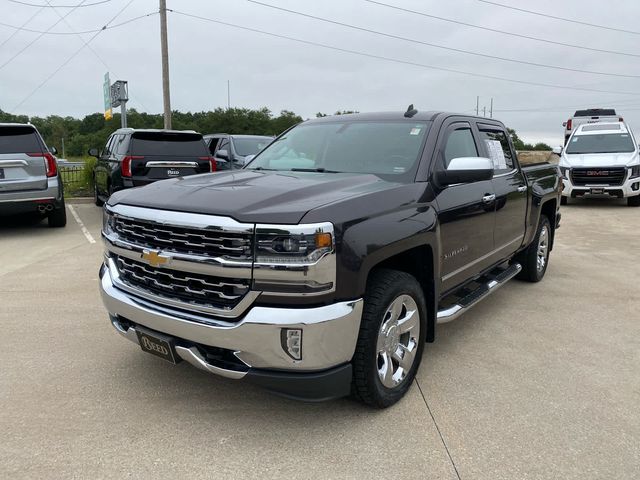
(398, 340)
(543, 249)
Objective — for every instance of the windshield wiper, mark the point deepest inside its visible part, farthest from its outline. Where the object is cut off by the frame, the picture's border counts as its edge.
(319, 170)
(262, 168)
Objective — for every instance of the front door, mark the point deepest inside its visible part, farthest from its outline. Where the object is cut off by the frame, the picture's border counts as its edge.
(466, 212)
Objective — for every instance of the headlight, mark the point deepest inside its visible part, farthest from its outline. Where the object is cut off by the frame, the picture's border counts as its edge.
(635, 171)
(107, 221)
(564, 172)
(295, 259)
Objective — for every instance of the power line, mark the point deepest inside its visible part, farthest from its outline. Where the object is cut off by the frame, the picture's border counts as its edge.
(57, 6)
(39, 36)
(404, 62)
(435, 45)
(504, 32)
(19, 28)
(64, 64)
(564, 19)
(82, 32)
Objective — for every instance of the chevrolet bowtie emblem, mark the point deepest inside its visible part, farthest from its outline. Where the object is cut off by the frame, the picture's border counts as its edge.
(155, 258)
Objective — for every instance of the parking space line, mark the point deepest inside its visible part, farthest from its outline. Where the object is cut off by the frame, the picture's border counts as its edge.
(87, 235)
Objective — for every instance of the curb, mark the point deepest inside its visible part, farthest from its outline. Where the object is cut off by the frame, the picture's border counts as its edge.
(79, 200)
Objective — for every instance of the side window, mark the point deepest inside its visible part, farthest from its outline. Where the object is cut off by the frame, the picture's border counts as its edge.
(213, 144)
(108, 147)
(498, 149)
(121, 144)
(224, 144)
(459, 143)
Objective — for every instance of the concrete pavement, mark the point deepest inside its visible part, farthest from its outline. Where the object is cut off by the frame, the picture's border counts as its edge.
(540, 381)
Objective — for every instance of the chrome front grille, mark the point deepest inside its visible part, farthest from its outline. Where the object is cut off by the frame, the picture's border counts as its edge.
(598, 176)
(187, 287)
(179, 239)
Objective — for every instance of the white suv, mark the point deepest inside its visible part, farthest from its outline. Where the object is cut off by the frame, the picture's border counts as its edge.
(601, 159)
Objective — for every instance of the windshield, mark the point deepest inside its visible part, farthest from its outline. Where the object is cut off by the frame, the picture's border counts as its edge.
(18, 140)
(384, 148)
(250, 145)
(601, 143)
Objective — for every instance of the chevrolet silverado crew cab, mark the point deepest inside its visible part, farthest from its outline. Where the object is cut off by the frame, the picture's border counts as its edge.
(132, 158)
(29, 178)
(589, 116)
(601, 159)
(323, 267)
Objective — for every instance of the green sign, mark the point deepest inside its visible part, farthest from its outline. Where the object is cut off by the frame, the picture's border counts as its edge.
(106, 88)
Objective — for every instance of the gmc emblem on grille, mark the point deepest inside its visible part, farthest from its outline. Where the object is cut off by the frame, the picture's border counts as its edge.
(597, 173)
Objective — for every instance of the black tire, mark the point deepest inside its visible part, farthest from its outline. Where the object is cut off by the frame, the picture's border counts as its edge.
(383, 288)
(96, 197)
(633, 201)
(58, 217)
(529, 258)
(564, 200)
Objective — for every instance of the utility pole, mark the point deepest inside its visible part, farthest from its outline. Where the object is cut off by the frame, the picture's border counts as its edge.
(63, 154)
(165, 64)
(484, 111)
(228, 95)
(477, 104)
(491, 109)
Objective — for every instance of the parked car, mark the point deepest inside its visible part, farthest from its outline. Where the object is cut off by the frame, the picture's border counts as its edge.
(29, 176)
(136, 157)
(233, 151)
(601, 159)
(324, 265)
(589, 115)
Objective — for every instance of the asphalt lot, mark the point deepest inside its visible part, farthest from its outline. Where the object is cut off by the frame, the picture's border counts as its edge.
(540, 381)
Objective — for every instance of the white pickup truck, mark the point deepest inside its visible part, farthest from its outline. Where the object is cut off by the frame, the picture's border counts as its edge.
(601, 159)
(589, 115)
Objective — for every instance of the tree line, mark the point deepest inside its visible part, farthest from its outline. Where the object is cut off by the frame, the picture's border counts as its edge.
(93, 130)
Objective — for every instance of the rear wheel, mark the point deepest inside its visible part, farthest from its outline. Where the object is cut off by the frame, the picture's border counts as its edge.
(634, 201)
(564, 200)
(535, 258)
(96, 197)
(58, 217)
(391, 339)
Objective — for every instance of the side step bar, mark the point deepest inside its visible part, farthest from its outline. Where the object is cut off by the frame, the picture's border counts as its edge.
(483, 291)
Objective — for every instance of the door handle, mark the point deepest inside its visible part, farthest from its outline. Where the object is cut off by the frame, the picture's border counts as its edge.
(522, 188)
(489, 198)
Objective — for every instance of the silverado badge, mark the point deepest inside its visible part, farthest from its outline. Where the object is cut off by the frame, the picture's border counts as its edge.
(155, 258)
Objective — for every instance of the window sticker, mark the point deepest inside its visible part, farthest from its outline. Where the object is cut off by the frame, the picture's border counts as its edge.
(415, 131)
(496, 154)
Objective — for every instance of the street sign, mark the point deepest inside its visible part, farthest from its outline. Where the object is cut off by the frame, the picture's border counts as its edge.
(119, 93)
(106, 89)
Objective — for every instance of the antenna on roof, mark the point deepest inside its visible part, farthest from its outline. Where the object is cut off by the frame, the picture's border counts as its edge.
(410, 111)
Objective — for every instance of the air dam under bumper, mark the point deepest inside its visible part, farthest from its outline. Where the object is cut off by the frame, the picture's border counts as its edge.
(329, 335)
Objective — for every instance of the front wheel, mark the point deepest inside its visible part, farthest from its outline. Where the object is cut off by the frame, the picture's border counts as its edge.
(96, 196)
(634, 201)
(564, 200)
(535, 258)
(391, 339)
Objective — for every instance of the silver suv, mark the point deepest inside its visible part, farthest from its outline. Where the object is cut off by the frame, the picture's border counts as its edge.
(29, 177)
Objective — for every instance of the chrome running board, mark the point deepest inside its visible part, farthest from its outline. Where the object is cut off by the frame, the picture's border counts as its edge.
(483, 291)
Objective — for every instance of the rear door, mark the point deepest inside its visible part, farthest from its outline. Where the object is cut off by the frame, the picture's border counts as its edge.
(161, 155)
(510, 188)
(466, 211)
(22, 161)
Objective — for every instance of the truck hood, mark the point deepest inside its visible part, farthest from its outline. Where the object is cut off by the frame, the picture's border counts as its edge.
(599, 159)
(252, 196)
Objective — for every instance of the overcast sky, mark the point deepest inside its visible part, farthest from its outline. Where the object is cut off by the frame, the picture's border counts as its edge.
(283, 74)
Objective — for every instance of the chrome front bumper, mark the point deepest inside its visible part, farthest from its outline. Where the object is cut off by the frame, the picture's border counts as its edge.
(329, 333)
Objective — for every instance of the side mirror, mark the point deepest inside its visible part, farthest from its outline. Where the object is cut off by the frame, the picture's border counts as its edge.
(93, 152)
(53, 150)
(223, 154)
(557, 150)
(466, 170)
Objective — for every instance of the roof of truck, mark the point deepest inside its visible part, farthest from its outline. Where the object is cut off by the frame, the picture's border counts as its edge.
(420, 116)
(601, 128)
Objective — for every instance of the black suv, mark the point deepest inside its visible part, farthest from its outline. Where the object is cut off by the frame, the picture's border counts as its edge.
(132, 158)
(234, 151)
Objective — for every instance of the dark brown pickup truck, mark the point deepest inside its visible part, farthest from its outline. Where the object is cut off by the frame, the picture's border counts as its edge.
(323, 266)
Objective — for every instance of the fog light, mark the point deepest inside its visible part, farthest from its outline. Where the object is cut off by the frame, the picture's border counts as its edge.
(291, 340)
(635, 186)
